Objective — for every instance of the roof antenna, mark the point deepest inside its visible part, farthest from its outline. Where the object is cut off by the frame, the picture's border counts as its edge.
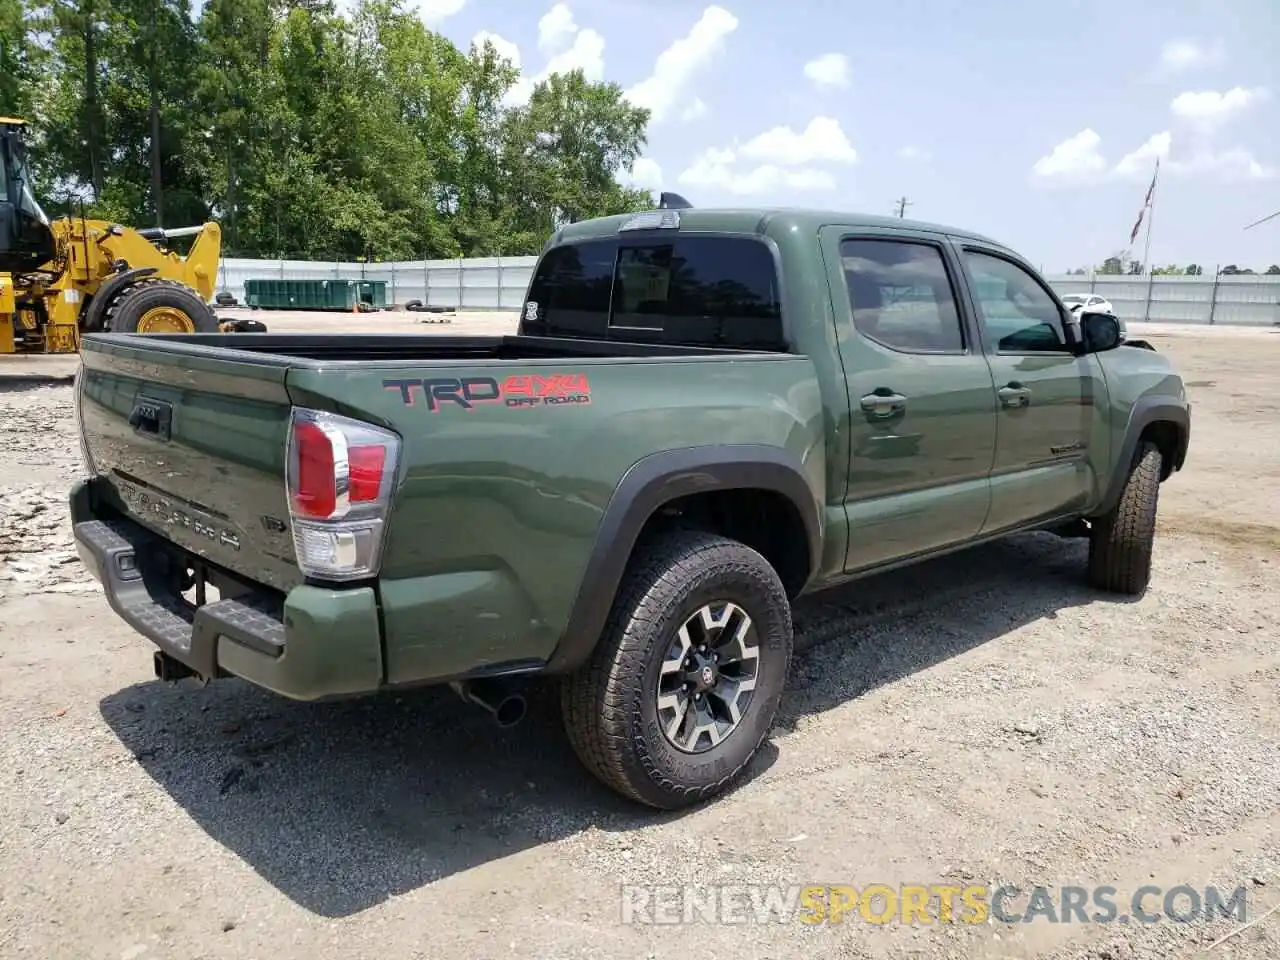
(673, 201)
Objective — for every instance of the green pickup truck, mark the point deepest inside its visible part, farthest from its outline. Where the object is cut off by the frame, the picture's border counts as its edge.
(703, 415)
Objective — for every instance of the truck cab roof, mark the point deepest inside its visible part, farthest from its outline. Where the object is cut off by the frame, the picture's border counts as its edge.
(758, 220)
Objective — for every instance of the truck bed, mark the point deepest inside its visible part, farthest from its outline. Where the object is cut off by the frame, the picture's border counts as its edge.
(509, 449)
(291, 347)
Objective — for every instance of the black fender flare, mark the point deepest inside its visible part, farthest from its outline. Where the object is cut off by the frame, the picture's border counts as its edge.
(656, 480)
(93, 313)
(1146, 411)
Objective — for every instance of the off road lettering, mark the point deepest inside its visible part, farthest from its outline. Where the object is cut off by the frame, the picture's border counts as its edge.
(531, 390)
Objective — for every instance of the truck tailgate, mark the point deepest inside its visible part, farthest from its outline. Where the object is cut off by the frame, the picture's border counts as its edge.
(192, 446)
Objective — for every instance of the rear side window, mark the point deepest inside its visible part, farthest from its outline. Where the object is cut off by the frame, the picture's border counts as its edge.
(694, 290)
(901, 295)
(570, 292)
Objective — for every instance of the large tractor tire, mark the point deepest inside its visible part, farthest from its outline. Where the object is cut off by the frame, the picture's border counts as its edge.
(154, 305)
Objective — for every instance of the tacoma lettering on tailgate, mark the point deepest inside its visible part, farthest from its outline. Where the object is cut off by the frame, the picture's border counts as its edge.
(161, 510)
(523, 390)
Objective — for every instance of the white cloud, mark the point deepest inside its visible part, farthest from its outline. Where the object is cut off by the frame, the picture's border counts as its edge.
(645, 175)
(1210, 106)
(585, 53)
(821, 141)
(1179, 55)
(913, 153)
(831, 70)
(504, 48)
(716, 168)
(694, 110)
(677, 65)
(1073, 159)
(1142, 161)
(434, 11)
(1079, 160)
(1225, 165)
(556, 29)
(778, 160)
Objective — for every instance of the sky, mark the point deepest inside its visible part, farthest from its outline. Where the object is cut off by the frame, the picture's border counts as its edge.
(1035, 123)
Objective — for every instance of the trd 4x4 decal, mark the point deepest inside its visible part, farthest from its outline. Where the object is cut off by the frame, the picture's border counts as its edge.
(522, 390)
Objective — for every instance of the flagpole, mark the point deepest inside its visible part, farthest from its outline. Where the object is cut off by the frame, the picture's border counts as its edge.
(1146, 247)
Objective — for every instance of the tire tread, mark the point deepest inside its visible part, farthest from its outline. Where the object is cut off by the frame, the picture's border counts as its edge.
(112, 309)
(598, 700)
(1121, 543)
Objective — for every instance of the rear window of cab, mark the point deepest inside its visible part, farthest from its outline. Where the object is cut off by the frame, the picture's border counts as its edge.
(692, 290)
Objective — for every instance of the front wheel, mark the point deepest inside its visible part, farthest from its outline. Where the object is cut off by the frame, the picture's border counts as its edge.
(685, 682)
(1120, 542)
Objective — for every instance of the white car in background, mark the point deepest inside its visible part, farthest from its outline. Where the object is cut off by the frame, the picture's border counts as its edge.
(1088, 301)
(1079, 302)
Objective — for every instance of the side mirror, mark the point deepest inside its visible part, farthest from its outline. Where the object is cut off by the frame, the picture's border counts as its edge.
(1099, 332)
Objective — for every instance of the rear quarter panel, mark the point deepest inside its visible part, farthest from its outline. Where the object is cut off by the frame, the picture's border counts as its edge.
(499, 506)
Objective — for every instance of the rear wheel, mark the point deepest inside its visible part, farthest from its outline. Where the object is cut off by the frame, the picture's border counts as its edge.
(685, 682)
(159, 306)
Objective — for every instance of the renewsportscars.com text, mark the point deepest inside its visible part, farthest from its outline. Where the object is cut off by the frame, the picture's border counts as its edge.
(879, 903)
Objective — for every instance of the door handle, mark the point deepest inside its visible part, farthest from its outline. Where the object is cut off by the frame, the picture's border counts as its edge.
(1014, 395)
(152, 417)
(883, 404)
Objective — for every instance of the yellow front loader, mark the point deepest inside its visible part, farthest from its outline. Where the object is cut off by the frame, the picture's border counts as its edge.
(65, 277)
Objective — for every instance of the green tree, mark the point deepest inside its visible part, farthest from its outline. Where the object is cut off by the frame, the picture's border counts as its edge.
(307, 132)
(21, 58)
(565, 150)
(1116, 264)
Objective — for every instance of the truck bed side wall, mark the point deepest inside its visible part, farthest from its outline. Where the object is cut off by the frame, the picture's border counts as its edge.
(501, 502)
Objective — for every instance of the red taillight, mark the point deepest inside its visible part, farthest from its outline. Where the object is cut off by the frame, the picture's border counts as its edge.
(316, 492)
(339, 481)
(316, 495)
(366, 465)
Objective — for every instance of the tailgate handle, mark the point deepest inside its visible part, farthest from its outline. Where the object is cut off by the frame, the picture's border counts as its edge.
(152, 417)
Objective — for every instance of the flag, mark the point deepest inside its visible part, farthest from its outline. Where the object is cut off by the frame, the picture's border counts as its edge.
(1133, 234)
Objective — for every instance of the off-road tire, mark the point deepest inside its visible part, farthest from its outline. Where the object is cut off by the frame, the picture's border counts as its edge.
(128, 305)
(608, 706)
(1120, 542)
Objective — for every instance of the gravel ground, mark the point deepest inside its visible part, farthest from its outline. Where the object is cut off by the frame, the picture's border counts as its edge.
(985, 718)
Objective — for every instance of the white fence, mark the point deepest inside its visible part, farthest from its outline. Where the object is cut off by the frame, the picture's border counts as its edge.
(482, 283)
(1252, 300)
(499, 283)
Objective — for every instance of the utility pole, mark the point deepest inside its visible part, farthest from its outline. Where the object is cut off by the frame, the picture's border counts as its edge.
(902, 205)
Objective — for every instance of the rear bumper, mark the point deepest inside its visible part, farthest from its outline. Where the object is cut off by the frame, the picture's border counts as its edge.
(309, 644)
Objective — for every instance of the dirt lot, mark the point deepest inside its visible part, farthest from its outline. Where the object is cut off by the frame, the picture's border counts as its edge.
(984, 719)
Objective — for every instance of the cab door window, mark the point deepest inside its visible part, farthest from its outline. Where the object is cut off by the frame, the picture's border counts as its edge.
(1017, 314)
(901, 295)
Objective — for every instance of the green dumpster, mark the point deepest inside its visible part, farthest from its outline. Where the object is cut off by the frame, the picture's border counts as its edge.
(343, 295)
(374, 292)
